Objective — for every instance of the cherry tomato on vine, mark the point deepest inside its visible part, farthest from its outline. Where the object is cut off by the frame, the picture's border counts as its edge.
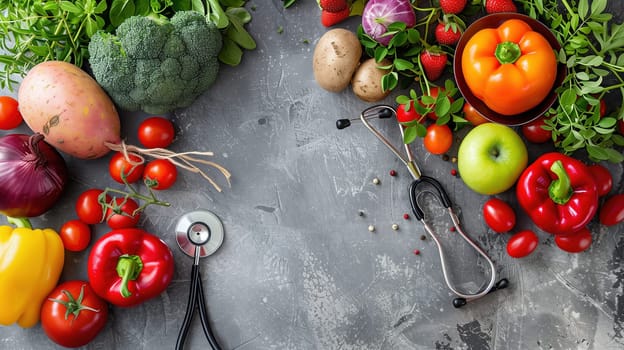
(10, 116)
(439, 138)
(89, 208)
(434, 92)
(575, 243)
(612, 210)
(156, 132)
(604, 180)
(75, 235)
(122, 213)
(73, 315)
(404, 116)
(119, 168)
(522, 244)
(534, 132)
(472, 115)
(499, 215)
(160, 174)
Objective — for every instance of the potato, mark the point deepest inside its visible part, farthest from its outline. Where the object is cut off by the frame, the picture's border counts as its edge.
(67, 106)
(336, 57)
(366, 81)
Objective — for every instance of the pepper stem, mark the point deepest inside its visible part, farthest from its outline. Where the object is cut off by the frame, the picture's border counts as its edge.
(128, 268)
(507, 52)
(19, 222)
(560, 190)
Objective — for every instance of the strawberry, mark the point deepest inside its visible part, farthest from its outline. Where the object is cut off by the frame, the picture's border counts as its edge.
(447, 33)
(453, 6)
(328, 19)
(433, 64)
(494, 6)
(333, 5)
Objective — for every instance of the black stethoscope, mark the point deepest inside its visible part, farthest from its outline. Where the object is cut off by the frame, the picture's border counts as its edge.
(199, 234)
(383, 112)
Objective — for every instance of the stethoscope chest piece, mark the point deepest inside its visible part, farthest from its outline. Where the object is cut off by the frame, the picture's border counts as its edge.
(200, 229)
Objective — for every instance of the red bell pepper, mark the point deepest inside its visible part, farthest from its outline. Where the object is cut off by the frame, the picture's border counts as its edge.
(559, 193)
(129, 266)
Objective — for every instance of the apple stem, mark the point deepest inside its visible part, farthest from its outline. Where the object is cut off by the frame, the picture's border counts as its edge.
(560, 189)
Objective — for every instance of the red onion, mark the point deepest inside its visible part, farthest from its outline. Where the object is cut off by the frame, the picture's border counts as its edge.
(379, 14)
(32, 175)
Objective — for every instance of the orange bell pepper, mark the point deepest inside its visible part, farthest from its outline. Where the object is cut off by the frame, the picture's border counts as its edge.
(510, 68)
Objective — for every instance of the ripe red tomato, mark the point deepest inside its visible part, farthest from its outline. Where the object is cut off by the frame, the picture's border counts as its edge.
(75, 235)
(522, 244)
(534, 132)
(72, 315)
(156, 132)
(434, 92)
(612, 210)
(472, 115)
(404, 116)
(10, 116)
(499, 215)
(119, 168)
(122, 213)
(574, 243)
(160, 174)
(604, 181)
(439, 138)
(89, 208)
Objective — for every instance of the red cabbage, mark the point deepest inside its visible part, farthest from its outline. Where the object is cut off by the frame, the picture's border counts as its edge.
(379, 14)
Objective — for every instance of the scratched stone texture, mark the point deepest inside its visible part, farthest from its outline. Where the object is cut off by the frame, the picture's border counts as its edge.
(299, 268)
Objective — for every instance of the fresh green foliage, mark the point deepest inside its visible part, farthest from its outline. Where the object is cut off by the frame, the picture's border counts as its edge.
(36, 31)
(593, 52)
(157, 66)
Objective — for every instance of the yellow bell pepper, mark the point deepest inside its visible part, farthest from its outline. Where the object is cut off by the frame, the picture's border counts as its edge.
(31, 261)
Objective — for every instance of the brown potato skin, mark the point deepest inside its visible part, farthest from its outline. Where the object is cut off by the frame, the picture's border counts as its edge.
(336, 57)
(366, 81)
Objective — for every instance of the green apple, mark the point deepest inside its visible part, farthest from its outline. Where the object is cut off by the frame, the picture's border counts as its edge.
(491, 157)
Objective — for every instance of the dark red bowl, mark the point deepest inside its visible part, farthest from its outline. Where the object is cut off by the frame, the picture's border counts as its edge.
(493, 21)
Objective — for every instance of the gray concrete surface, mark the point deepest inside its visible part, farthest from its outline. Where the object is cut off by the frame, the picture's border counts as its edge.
(299, 268)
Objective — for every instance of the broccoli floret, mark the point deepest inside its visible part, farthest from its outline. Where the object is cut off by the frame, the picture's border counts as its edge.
(157, 66)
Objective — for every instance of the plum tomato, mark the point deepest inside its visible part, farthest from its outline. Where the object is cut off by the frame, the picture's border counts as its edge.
(156, 132)
(405, 116)
(522, 244)
(10, 116)
(75, 235)
(160, 174)
(472, 115)
(121, 168)
(574, 243)
(122, 213)
(73, 315)
(499, 215)
(604, 180)
(612, 210)
(534, 131)
(89, 208)
(439, 138)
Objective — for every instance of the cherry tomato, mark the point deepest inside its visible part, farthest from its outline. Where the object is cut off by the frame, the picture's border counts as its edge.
(472, 115)
(75, 235)
(156, 132)
(576, 242)
(10, 116)
(439, 138)
(434, 92)
(89, 208)
(612, 210)
(404, 116)
(73, 315)
(119, 168)
(522, 244)
(604, 181)
(122, 213)
(160, 174)
(534, 132)
(499, 215)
